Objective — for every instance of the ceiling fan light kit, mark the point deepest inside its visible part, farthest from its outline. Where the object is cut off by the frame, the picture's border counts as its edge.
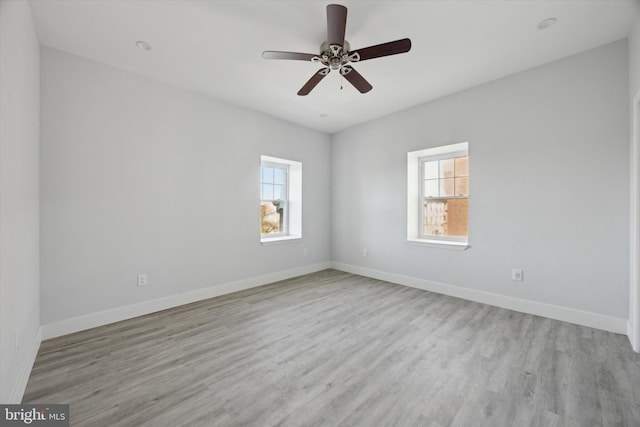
(335, 53)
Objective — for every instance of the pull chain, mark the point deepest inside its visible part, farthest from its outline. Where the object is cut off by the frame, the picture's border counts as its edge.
(340, 81)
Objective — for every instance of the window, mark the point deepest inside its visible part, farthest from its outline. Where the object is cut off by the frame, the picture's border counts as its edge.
(274, 198)
(438, 195)
(280, 199)
(445, 192)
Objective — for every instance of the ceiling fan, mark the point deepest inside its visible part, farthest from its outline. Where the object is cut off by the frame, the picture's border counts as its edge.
(336, 53)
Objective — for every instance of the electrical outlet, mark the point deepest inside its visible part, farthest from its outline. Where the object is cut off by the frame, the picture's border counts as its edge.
(365, 252)
(516, 274)
(304, 252)
(142, 279)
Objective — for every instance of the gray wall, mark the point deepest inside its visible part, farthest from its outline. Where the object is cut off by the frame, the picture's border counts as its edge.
(19, 217)
(549, 161)
(634, 56)
(142, 177)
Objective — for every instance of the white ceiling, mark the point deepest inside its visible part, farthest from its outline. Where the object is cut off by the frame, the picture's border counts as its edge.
(214, 47)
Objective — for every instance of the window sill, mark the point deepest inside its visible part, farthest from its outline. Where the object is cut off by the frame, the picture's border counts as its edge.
(442, 244)
(279, 240)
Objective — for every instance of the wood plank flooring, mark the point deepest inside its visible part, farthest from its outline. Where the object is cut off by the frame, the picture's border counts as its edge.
(335, 349)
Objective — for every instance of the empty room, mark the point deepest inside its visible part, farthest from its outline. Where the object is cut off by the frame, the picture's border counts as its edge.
(308, 213)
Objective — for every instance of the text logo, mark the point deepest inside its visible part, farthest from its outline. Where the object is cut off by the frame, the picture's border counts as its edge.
(34, 415)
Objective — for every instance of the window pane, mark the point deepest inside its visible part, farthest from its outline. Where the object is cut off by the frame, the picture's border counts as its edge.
(278, 192)
(446, 218)
(435, 218)
(267, 175)
(446, 168)
(270, 218)
(430, 170)
(462, 186)
(462, 166)
(446, 187)
(280, 176)
(431, 188)
(457, 217)
(267, 192)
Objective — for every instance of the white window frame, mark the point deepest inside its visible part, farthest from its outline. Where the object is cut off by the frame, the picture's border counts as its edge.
(282, 202)
(415, 198)
(292, 221)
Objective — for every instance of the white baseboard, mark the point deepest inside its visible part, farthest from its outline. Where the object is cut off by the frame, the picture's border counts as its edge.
(565, 314)
(579, 317)
(80, 323)
(25, 370)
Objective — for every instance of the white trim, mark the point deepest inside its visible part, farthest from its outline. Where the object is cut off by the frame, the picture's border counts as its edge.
(633, 330)
(441, 244)
(281, 239)
(80, 323)
(635, 345)
(25, 371)
(443, 149)
(565, 314)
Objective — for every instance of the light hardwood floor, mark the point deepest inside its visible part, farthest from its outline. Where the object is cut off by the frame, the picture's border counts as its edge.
(335, 349)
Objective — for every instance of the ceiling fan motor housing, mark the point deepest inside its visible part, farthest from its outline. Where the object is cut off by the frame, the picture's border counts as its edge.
(335, 56)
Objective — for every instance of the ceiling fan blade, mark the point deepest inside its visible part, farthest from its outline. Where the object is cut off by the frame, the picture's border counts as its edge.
(271, 54)
(336, 24)
(384, 49)
(313, 81)
(356, 79)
